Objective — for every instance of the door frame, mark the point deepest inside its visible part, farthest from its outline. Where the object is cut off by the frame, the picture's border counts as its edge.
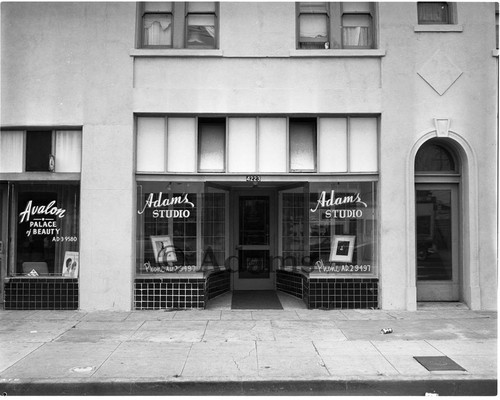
(4, 237)
(435, 291)
(253, 284)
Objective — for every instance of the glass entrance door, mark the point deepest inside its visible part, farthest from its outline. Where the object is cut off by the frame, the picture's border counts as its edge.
(254, 235)
(437, 242)
(3, 237)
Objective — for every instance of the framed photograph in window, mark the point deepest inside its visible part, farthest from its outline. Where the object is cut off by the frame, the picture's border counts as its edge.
(71, 264)
(342, 248)
(163, 249)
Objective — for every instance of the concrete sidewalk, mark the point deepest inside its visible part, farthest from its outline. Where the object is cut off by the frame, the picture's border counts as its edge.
(220, 351)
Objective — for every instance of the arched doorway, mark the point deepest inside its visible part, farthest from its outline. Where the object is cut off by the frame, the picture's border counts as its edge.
(437, 185)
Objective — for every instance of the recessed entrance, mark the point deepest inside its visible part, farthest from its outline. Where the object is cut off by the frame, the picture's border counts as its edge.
(254, 239)
(437, 222)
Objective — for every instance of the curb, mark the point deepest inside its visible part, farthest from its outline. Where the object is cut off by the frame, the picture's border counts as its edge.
(446, 387)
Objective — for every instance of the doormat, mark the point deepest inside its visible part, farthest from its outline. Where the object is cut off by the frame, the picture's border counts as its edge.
(439, 363)
(256, 300)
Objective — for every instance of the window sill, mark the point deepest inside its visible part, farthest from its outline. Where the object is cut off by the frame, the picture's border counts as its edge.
(338, 53)
(175, 53)
(439, 28)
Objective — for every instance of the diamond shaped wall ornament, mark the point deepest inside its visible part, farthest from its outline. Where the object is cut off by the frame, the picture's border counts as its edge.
(439, 72)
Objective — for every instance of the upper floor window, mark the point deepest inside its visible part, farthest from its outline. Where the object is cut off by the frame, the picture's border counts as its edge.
(178, 25)
(434, 13)
(348, 25)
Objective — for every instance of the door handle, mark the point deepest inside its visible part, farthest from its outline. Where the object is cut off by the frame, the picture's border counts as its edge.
(239, 247)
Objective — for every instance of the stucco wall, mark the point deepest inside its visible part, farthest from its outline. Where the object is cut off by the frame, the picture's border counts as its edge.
(69, 64)
(410, 105)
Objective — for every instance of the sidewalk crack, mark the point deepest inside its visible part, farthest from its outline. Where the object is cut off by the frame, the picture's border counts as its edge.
(322, 363)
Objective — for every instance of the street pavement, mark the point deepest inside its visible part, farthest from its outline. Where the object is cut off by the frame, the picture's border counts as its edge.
(235, 352)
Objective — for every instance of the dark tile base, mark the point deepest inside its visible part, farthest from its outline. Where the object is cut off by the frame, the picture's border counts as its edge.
(185, 293)
(163, 293)
(289, 282)
(41, 294)
(341, 293)
(330, 293)
(218, 283)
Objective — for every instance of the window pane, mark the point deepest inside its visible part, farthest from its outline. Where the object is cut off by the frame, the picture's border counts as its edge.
(158, 6)
(181, 158)
(433, 157)
(272, 144)
(167, 221)
(242, 148)
(48, 230)
(356, 7)
(11, 151)
(313, 29)
(157, 30)
(150, 144)
(434, 235)
(356, 30)
(38, 150)
(201, 6)
(332, 146)
(433, 13)
(342, 227)
(302, 145)
(212, 143)
(313, 7)
(68, 151)
(363, 145)
(201, 31)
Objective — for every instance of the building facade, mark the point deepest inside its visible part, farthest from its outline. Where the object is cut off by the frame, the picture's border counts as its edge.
(157, 155)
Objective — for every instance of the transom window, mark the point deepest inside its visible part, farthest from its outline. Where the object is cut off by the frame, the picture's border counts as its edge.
(264, 144)
(178, 25)
(434, 157)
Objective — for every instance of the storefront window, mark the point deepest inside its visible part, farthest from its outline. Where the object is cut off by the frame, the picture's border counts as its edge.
(330, 227)
(47, 230)
(181, 227)
(342, 227)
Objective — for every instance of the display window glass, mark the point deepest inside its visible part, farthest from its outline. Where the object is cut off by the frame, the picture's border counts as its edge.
(45, 226)
(181, 227)
(330, 228)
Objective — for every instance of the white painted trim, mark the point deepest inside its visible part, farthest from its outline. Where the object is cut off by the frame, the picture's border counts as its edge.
(175, 53)
(338, 53)
(439, 28)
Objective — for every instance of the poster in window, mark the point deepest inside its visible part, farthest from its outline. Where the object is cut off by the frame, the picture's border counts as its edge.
(163, 249)
(342, 248)
(71, 264)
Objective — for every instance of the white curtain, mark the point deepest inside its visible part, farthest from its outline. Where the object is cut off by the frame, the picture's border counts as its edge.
(157, 30)
(68, 151)
(11, 151)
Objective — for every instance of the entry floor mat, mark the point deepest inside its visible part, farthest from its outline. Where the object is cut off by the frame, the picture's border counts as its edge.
(255, 300)
(439, 363)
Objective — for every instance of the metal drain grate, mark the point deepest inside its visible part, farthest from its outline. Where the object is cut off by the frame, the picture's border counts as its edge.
(439, 363)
